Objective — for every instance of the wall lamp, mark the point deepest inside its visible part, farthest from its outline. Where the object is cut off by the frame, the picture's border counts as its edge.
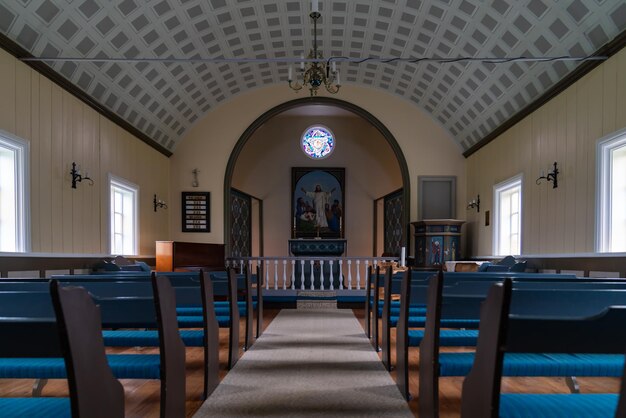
(77, 177)
(158, 203)
(474, 203)
(552, 176)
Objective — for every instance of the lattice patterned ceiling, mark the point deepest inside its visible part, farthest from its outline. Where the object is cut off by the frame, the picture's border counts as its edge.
(164, 100)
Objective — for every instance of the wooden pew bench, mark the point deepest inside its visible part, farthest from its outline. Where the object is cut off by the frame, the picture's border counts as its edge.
(465, 283)
(555, 303)
(31, 349)
(94, 392)
(503, 334)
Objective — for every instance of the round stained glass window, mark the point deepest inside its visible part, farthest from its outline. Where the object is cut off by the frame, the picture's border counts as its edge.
(318, 142)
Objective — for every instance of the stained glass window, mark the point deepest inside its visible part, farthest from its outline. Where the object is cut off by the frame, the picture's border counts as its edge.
(318, 142)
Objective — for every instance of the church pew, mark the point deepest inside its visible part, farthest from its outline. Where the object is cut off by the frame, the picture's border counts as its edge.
(94, 392)
(389, 311)
(41, 358)
(112, 291)
(190, 310)
(546, 303)
(467, 337)
(451, 279)
(502, 333)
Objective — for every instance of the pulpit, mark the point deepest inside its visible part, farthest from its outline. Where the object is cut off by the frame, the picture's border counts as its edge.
(437, 241)
(317, 248)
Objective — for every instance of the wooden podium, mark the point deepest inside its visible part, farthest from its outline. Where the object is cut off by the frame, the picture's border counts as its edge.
(437, 241)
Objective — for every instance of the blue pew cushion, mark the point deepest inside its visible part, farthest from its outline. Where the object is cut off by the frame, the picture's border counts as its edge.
(419, 321)
(124, 366)
(447, 337)
(198, 321)
(520, 405)
(135, 366)
(220, 307)
(150, 338)
(32, 368)
(35, 407)
(523, 364)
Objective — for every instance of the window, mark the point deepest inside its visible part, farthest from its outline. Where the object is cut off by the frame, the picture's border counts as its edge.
(507, 238)
(123, 223)
(317, 142)
(611, 193)
(14, 216)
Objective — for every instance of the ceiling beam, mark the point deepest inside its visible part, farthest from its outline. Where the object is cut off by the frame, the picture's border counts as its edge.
(18, 52)
(608, 50)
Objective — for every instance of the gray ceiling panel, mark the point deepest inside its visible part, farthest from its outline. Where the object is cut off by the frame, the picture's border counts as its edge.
(164, 99)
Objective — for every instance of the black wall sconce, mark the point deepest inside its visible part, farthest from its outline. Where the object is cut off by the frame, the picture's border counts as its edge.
(77, 177)
(474, 203)
(552, 176)
(158, 203)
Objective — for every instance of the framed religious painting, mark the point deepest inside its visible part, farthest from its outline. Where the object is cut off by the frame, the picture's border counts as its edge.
(318, 202)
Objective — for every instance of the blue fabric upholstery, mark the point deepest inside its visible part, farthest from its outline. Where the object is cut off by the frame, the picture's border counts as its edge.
(519, 405)
(32, 368)
(447, 337)
(523, 364)
(35, 407)
(413, 311)
(135, 366)
(221, 309)
(124, 366)
(419, 322)
(150, 338)
(198, 321)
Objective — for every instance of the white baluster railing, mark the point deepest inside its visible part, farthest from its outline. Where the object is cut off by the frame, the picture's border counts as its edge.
(335, 273)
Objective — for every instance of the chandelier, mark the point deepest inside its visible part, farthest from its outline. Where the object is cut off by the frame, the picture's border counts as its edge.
(318, 73)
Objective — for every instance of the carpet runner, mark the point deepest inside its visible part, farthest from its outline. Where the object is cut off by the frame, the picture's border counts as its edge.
(308, 363)
(316, 299)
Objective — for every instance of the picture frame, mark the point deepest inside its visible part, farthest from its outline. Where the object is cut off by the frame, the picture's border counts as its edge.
(307, 199)
(196, 211)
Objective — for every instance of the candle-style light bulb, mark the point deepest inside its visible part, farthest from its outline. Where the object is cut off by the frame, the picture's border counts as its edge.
(315, 6)
(290, 74)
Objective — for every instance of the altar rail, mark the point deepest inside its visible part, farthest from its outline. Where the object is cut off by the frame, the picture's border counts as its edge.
(279, 273)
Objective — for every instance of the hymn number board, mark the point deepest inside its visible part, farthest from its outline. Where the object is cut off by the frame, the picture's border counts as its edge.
(196, 211)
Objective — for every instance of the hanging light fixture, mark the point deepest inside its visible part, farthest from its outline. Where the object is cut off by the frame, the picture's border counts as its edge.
(315, 74)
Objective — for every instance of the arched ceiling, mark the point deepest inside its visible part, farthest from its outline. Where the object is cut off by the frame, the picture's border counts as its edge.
(163, 100)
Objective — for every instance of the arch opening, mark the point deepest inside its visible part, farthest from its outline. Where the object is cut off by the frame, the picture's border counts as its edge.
(247, 151)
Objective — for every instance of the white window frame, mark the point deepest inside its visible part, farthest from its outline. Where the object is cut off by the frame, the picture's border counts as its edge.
(604, 148)
(21, 148)
(134, 189)
(499, 188)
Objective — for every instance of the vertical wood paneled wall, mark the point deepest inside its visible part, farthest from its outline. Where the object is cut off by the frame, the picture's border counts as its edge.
(62, 129)
(565, 130)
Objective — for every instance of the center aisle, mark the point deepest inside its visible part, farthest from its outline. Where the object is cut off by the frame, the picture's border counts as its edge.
(308, 363)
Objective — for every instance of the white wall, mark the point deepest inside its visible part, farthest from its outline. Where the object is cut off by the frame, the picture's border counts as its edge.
(565, 130)
(428, 148)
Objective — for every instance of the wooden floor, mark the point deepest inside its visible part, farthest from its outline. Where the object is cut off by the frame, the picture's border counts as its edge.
(142, 396)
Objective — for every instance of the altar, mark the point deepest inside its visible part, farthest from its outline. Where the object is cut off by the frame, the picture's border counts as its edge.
(317, 248)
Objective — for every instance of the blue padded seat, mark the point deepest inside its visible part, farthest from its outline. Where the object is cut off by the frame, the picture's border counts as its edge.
(150, 338)
(35, 407)
(523, 364)
(221, 309)
(521, 405)
(124, 366)
(447, 337)
(420, 321)
(413, 310)
(198, 321)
